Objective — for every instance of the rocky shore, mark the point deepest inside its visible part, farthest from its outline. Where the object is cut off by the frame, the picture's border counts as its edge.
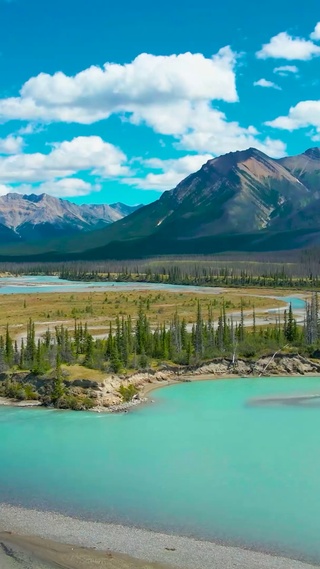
(281, 365)
(106, 393)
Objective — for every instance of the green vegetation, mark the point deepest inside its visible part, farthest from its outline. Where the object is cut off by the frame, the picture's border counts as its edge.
(128, 393)
(19, 391)
(139, 345)
(225, 276)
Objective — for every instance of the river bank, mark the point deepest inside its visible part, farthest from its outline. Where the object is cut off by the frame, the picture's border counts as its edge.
(52, 538)
(108, 398)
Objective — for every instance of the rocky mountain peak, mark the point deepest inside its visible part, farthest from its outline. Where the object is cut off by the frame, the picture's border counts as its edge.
(313, 153)
(224, 164)
(33, 216)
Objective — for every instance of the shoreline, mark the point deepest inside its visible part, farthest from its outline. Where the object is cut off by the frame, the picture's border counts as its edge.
(150, 385)
(76, 543)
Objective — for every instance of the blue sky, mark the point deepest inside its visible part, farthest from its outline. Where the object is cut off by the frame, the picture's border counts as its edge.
(104, 102)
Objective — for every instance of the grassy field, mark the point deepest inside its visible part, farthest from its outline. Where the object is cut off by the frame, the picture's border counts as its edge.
(99, 308)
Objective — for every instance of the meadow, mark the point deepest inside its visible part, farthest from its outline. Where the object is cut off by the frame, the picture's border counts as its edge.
(98, 309)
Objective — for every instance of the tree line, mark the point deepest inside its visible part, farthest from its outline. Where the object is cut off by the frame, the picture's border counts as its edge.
(137, 344)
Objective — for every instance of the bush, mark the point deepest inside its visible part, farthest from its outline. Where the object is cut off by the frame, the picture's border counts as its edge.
(31, 394)
(75, 403)
(128, 393)
(247, 351)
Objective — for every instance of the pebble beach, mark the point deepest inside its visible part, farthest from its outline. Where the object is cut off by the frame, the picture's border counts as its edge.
(40, 540)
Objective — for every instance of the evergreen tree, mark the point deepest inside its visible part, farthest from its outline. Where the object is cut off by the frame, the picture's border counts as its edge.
(58, 386)
(199, 332)
(9, 353)
(290, 326)
(30, 350)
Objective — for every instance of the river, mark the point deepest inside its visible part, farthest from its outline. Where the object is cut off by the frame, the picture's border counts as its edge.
(200, 461)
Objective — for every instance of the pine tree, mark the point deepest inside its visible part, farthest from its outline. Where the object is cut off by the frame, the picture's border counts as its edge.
(30, 350)
(58, 387)
(9, 353)
(290, 326)
(115, 362)
(241, 327)
(199, 332)
(89, 351)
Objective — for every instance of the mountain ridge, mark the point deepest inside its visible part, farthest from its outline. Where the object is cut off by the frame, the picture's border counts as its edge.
(241, 201)
(240, 192)
(34, 216)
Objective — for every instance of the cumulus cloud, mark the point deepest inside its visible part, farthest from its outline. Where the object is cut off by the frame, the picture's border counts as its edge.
(91, 154)
(267, 84)
(65, 188)
(5, 189)
(304, 114)
(169, 172)
(11, 144)
(174, 95)
(210, 132)
(285, 70)
(316, 33)
(55, 173)
(138, 88)
(284, 46)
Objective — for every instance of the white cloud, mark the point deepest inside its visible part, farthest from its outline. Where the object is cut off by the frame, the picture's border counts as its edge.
(171, 172)
(139, 88)
(316, 33)
(304, 114)
(11, 144)
(285, 70)
(54, 170)
(171, 94)
(266, 83)
(65, 188)
(5, 189)
(30, 128)
(210, 132)
(66, 158)
(284, 46)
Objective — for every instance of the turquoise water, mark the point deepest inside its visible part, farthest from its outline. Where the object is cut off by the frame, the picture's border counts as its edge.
(296, 303)
(38, 284)
(199, 461)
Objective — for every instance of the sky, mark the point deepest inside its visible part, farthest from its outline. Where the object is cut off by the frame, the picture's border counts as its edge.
(104, 101)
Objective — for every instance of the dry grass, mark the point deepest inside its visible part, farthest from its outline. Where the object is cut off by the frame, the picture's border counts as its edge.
(99, 308)
(73, 372)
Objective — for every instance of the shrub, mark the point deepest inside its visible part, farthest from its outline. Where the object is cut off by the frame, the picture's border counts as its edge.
(128, 393)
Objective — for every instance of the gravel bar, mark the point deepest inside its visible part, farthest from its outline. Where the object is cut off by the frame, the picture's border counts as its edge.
(175, 551)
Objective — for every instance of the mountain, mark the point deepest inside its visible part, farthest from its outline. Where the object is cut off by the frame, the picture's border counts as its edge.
(38, 217)
(242, 201)
(123, 209)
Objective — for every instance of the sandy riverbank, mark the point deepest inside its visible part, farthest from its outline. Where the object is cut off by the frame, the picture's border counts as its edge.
(31, 552)
(114, 546)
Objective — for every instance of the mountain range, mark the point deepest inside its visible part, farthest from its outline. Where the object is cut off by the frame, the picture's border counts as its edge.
(241, 201)
(30, 218)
